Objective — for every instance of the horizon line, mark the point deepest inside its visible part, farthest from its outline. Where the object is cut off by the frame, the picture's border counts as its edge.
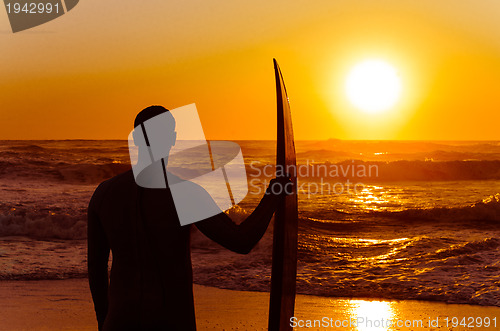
(308, 140)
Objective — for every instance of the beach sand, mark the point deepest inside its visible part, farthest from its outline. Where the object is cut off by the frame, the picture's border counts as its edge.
(67, 305)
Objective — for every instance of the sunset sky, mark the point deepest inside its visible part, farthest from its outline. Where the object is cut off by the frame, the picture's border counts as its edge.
(87, 73)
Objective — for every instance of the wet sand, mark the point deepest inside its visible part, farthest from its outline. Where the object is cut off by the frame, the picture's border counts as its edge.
(67, 305)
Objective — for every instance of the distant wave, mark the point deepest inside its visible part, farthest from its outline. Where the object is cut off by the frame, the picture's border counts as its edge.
(487, 210)
(448, 170)
(84, 173)
(26, 148)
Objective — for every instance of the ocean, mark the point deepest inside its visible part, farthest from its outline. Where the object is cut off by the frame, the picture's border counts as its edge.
(377, 219)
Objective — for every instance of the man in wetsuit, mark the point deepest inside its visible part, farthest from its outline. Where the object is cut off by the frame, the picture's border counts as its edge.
(151, 281)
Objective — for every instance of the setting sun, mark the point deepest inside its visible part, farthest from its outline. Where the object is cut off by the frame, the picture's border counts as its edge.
(373, 86)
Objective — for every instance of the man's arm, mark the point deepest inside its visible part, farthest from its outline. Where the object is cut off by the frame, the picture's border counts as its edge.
(97, 259)
(243, 237)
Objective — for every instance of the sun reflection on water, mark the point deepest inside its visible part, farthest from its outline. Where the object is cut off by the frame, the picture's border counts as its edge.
(372, 315)
(377, 198)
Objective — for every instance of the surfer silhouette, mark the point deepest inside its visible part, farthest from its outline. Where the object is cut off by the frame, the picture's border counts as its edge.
(150, 286)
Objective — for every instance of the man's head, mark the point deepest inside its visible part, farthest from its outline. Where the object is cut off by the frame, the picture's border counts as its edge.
(150, 112)
(167, 125)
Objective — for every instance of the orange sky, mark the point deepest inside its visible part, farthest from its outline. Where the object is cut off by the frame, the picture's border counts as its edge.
(87, 73)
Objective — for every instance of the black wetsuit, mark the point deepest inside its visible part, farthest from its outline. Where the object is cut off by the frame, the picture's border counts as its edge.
(151, 281)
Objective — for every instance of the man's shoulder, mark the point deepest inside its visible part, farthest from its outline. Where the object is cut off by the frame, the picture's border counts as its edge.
(119, 181)
(120, 184)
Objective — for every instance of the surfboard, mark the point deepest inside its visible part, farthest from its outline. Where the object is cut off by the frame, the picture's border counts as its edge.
(284, 266)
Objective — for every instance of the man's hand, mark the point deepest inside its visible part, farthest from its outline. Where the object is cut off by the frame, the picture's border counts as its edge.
(280, 186)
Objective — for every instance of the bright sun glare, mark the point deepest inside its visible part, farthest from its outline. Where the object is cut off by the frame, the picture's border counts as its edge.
(373, 86)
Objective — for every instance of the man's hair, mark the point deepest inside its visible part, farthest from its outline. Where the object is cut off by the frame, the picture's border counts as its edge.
(148, 113)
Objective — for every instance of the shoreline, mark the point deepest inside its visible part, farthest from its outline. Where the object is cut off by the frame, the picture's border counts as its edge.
(67, 305)
(77, 276)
